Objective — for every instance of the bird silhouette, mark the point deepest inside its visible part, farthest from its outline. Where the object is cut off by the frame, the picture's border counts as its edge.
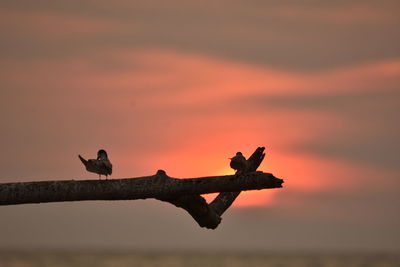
(101, 165)
(239, 163)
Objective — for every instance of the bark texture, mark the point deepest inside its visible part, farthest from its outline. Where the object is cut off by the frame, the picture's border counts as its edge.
(183, 193)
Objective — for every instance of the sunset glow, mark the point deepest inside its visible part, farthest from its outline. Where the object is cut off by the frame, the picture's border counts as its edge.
(182, 86)
(205, 118)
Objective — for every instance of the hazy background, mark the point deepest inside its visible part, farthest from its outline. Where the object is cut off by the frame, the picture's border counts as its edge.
(182, 86)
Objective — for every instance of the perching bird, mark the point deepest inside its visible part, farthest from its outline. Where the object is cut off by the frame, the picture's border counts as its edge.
(101, 165)
(239, 163)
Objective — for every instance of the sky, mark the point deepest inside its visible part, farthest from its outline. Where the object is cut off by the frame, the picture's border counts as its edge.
(182, 86)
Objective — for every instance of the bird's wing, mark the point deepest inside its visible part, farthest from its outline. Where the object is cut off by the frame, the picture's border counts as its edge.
(97, 166)
(93, 165)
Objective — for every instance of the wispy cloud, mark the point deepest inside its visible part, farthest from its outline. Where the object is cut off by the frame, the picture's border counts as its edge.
(208, 108)
(183, 86)
(51, 25)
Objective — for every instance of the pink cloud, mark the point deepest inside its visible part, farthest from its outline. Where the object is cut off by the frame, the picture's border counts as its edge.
(359, 13)
(50, 25)
(179, 107)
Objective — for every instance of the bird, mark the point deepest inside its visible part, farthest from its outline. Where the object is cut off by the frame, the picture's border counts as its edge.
(101, 165)
(239, 163)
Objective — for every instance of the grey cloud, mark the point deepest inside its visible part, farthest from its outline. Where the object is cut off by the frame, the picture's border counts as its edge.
(147, 225)
(381, 100)
(378, 152)
(44, 129)
(248, 32)
(368, 130)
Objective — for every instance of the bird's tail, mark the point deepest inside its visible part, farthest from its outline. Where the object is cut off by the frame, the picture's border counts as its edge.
(84, 161)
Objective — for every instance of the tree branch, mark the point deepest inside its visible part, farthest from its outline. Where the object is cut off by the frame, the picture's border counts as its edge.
(183, 193)
(158, 186)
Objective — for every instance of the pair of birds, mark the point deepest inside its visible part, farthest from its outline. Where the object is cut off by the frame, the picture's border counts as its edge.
(102, 165)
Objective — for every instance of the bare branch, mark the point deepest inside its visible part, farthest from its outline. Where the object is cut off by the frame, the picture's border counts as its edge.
(158, 186)
(183, 193)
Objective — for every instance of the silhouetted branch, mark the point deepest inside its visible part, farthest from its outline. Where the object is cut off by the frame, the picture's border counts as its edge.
(158, 186)
(183, 193)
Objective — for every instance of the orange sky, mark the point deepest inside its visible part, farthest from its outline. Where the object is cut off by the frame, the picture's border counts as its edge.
(162, 87)
(206, 115)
